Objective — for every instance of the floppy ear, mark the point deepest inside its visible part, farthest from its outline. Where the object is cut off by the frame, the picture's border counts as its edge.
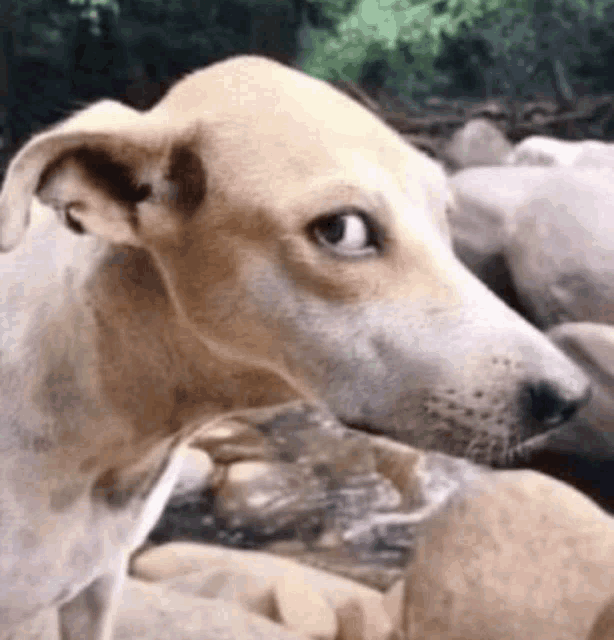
(104, 170)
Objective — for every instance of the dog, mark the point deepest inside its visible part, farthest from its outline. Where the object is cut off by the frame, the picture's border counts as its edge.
(253, 238)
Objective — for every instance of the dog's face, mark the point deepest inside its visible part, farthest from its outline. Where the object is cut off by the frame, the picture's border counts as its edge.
(297, 232)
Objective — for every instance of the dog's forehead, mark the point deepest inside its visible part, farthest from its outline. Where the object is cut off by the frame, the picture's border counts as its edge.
(266, 94)
(265, 119)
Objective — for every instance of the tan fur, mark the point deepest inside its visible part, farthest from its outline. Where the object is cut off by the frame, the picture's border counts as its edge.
(200, 290)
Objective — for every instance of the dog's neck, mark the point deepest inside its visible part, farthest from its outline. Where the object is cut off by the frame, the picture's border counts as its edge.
(127, 374)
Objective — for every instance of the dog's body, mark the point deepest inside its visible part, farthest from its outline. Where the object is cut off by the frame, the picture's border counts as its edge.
(255, 237)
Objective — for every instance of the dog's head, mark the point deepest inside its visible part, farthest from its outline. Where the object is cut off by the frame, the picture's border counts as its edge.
(294, 230)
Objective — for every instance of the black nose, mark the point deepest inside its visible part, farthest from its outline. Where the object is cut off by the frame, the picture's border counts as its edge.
(549, 406)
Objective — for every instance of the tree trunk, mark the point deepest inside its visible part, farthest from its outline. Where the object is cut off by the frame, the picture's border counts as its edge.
(7, 84)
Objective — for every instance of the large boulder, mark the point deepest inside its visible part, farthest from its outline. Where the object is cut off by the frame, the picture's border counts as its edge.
(552, 228)
(546, 151)
(314, 603)
(479, 142)
(154, 612)
(560, 247)
(518, 555)
(486, 199)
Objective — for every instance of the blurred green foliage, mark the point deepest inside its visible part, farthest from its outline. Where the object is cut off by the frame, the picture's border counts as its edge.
(410, 47)
(408, 36)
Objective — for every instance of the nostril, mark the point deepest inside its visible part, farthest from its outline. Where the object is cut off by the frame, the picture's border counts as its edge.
(550, 406)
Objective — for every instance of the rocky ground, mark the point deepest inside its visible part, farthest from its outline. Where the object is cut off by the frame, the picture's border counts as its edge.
(299, 485)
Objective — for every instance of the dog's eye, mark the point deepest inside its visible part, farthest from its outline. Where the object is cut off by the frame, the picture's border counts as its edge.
(346, 233)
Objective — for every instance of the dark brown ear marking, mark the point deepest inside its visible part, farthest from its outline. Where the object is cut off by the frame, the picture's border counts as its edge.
(187, 173)
(105, 172)
(111, 176)
(72, 223)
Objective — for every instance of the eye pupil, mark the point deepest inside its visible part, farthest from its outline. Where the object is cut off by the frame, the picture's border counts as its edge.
(333, 229)
(347, 233)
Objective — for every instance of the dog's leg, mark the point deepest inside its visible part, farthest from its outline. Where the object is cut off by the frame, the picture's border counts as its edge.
(91, 613)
